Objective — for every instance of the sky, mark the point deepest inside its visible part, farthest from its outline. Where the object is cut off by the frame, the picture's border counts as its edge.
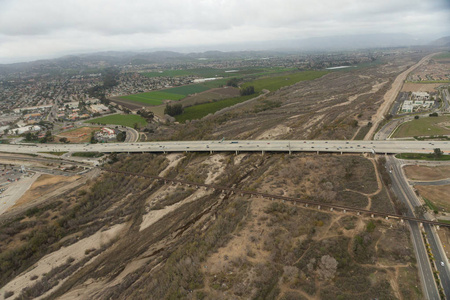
(38, 29)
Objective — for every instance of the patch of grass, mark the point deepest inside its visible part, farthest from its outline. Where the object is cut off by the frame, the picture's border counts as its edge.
(153, 98)
(157, 97)
(423, 126)
(123, 120)
(442, 55)
(201, 110)
(55, 153)
(420, 156)
(430, 204)
(88, 154)
(274, 83)
(187, 89)
(444, 221)
(213, 72)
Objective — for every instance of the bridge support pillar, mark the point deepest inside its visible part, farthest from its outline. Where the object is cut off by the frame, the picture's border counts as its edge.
(262, 152)
(387, 218)
(290, 152)
(371, 215)
(345, 211)
(317, 152)
(437, 227)
(401, 221)
(331, 209)
(306, 205)
(358, 213)
(237, 152)
(318, 206)
(341, 152)
(211, 152)
(421, 224)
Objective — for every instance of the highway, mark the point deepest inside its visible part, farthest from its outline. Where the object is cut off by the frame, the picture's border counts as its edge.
(336, 146)
(404, 192)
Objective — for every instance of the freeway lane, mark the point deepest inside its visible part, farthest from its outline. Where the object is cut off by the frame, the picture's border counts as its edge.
(381, 147)
(399, 187)
(410, 199)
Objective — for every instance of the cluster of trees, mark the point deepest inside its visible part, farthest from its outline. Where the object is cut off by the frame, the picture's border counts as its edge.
(34, 137)
(249, 90)
(148, 115)
(233, 82)
(173, 110)
(121, 136)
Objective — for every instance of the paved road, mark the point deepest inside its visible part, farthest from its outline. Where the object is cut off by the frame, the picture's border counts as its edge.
(16, 190)
(340, 146)
(400, 188)
(434, 182)
(406, 194)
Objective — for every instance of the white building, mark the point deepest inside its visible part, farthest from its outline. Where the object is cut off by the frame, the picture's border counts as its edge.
(25, 129)
(420, 96)
(407, 106)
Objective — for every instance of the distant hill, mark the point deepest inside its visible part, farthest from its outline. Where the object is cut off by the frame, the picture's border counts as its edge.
(442, 42)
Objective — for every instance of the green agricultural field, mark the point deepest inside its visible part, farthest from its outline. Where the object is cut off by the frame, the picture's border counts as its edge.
(425, 126)
(123, 120)
(212, 72)
(187, 89)
(157, 97)
(201, 110)
(274, 83)
(445, 55)
(153, 98)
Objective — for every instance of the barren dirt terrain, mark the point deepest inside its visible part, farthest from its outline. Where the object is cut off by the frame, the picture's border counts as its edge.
(79, 135)
(439, 195)
(179, 241)
(45, 184)
(127, 237)
(420, 87)
(427, 173)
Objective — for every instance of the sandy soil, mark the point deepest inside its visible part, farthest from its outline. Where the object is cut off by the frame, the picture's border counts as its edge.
(391, 95)
(436, 194)
(57, 258)
(241, 244)
(174, 160)
(153, 216)
(444, 236)
(274, 132)
(80, 135)
(375, 88)
(420, 87)
(43, 185)
(427, 173)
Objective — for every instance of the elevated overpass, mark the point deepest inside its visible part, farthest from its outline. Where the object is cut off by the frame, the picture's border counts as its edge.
(289, 146)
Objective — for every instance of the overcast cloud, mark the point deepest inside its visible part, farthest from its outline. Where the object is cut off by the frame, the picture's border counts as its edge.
(31, 29)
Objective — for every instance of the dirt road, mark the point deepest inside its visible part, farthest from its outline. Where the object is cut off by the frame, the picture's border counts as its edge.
(391, 95)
